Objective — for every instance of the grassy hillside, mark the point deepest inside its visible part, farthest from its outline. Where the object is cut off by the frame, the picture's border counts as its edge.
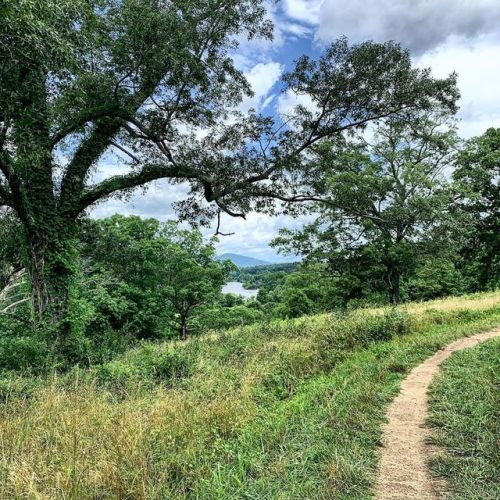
(464, 410)
(288, 409)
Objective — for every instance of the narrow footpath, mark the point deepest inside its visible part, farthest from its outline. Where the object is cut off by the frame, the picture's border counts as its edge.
(403, 472)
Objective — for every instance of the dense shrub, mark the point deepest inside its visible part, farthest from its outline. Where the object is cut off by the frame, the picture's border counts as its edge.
(358, 330)
(220, 318)
(21, 348)
(147, 365)
(24, 353)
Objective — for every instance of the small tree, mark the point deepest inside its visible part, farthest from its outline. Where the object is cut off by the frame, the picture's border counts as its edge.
(193, 278)
(165, 273)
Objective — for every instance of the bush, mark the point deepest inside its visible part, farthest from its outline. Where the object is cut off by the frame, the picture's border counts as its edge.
(22, 348)
(148, 364)
(358, 330)
(221, 318)
(22, 353)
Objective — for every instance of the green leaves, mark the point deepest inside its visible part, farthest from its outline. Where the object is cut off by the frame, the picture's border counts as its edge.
(477, 182)
(155, 82)
(164, 273)
(381, 202)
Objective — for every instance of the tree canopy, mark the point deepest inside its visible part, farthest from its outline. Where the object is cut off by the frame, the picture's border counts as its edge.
(478, 176)
(382, 201)
(155, 82)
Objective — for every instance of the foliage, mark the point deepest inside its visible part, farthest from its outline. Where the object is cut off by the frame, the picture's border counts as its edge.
(435, 278)
(10, 248)
(140, 279)
(153, 276)
(219, 318)
(464, 413)
(20, 349)
(264, 277)
(478, 176)
(84, 79)
(383, 206)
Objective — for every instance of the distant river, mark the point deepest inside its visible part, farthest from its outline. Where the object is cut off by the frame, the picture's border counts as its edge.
(237, 288)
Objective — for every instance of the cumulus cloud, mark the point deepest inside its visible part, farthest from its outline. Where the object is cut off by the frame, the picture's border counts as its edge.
(478, 68)
(262, 77)
(307, 11)
(250, 52)
(419, 25)
(155, 200)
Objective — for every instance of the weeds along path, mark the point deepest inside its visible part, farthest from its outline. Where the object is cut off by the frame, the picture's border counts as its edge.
(403, 472)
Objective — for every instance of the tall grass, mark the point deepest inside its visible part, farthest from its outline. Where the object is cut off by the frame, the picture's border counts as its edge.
(287, 409)
(464, 405)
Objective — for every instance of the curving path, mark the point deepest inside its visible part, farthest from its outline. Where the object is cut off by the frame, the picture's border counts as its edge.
(403, 470)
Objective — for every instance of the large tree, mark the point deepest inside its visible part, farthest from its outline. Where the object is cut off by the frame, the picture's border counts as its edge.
(383, 200)
(478, 178)
(153, 80)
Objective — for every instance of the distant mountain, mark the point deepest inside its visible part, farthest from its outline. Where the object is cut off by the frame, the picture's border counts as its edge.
(242, 260)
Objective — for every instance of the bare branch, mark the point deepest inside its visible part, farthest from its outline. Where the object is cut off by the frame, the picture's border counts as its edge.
(217, 231)
(126, 151)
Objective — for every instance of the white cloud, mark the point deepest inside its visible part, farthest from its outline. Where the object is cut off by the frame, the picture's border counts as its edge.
(289, 100)
(478, 68)
(262, 77)
(250, 52)
(253, 235)
(303, 10)
(295, 30)
(155, 200)
(447, 35)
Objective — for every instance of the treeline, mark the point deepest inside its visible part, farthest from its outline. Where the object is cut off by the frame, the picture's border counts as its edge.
(265, 276)
(412, 214)
(389, 228)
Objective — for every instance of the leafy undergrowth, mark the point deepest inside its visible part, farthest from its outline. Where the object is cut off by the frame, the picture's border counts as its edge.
(464, 404)
(283, 410)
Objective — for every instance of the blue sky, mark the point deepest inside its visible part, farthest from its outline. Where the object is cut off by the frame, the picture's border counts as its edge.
(446, 35)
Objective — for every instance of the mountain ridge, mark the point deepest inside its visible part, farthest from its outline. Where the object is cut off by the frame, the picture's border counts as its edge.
(242, 260)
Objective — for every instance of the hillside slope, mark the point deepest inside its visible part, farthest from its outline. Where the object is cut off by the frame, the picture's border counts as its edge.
(288, 409)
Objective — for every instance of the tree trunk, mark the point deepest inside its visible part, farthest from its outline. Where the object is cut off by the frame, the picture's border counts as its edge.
(183, 328)
(51, 264)
(394, 279)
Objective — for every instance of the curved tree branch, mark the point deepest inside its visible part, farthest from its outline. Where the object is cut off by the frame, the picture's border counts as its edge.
(81, 119)
(123, 182)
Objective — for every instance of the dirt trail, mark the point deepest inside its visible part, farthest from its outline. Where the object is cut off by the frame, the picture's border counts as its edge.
(403, 465)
